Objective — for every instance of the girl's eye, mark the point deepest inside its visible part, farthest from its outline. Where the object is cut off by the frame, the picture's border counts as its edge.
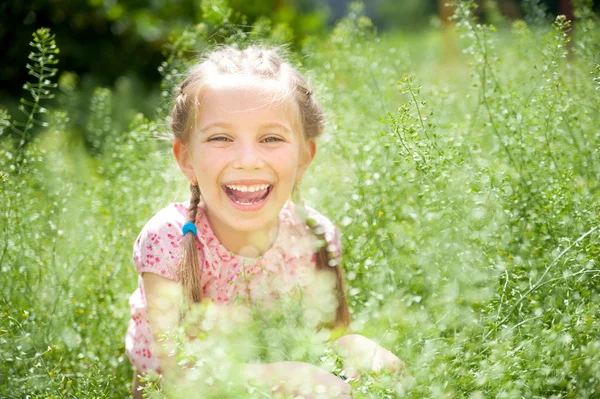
(272, 139)
(219, 138)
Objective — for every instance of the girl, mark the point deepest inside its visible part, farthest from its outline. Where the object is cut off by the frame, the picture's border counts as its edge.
(244, 125)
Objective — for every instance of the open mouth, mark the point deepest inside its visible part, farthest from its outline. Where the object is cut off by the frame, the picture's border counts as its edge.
(248, 195)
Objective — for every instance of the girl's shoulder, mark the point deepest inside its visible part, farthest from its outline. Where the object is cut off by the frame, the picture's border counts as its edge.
(158, 246)
(174, 213)
(321, 220)
(331, 232)
(293, 213)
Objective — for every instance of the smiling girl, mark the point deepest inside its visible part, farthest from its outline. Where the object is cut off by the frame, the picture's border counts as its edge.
(244, 126)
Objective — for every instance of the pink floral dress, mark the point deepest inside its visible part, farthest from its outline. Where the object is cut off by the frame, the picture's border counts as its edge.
(224, 274)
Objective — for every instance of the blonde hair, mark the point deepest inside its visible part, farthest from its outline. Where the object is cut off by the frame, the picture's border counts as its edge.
(262, 63)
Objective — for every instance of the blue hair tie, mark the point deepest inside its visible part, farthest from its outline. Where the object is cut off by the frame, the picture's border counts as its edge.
(189, 226)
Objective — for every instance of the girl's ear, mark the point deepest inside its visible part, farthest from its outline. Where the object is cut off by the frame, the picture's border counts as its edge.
(312, 149)
(307, 157)
(183, 160)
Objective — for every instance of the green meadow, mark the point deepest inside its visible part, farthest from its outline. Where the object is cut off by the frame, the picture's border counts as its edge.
(462, 167)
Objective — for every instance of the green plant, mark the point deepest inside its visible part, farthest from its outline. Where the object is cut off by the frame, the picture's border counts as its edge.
(466, 193)
(42, 69)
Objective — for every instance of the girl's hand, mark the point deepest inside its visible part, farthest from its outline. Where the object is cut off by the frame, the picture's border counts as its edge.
(361, 354)
(298, 379)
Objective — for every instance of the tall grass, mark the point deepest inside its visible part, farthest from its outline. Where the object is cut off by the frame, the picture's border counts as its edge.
(465, 186)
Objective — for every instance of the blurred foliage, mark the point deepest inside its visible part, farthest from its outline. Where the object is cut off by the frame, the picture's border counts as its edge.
(95, 33)
(406, 14)
(466, 187)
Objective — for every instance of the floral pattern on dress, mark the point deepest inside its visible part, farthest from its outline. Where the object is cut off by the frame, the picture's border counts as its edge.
(286, 265)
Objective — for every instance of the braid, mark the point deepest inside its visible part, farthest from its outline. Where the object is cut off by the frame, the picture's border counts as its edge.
(327, 261)
(194, 201)
(189, 267)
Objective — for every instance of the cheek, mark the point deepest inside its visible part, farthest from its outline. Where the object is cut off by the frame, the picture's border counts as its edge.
(285, 162)
(209, 161)
(205, 152)
(208, 164)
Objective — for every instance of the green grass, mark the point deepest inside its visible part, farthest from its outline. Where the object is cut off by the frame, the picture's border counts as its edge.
(465, 184)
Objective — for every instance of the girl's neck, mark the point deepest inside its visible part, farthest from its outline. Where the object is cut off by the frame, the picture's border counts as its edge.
(248, 244)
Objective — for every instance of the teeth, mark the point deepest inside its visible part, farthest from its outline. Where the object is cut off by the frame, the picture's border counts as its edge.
(251, 189)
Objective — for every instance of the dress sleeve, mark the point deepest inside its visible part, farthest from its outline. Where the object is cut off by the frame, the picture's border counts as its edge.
(157, 249)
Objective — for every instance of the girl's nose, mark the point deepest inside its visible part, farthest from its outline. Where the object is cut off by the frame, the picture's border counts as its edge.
(248, 157)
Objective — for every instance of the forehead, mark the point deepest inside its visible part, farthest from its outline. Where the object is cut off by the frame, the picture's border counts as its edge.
(246, 100)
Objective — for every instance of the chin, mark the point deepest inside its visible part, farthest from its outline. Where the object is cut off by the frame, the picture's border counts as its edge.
(248, 226)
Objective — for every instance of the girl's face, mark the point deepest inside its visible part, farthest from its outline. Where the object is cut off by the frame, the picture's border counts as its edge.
(246, 152)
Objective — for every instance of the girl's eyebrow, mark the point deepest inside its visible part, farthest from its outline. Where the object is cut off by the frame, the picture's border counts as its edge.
(277, 125)
(216, 124)
(229, 126)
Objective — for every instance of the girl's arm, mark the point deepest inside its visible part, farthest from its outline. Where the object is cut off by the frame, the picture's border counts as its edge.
(163, 297)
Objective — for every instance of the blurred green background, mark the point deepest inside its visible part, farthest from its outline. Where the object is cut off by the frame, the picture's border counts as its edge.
(461, 163)
(112, 43)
